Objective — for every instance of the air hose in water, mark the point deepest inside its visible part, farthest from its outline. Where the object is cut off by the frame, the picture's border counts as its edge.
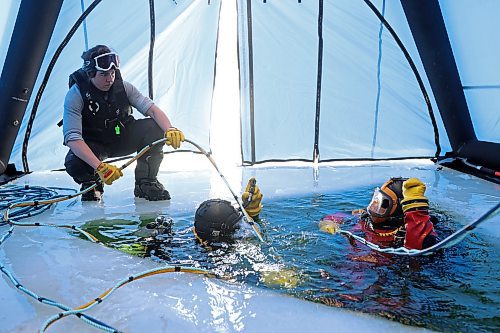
(248, 218)
(333, 227)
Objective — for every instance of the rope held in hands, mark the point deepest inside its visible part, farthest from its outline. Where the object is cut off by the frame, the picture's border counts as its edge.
(35, 200)
(449, 241)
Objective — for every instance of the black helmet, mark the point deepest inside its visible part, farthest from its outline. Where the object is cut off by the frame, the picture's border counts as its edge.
(216, 220)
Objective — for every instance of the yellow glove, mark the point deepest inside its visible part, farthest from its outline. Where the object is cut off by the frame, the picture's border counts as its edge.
(174, 137)
(413, 195)
(252, 198)
(108, 173)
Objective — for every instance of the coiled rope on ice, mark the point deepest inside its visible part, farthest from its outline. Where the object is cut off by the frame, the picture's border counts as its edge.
(19, 202)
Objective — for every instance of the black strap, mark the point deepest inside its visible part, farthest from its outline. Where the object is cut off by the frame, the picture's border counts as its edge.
(78, 77)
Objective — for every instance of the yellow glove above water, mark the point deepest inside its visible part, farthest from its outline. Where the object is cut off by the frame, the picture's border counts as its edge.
(413, 195)
(174, 137)
(252, 198)
(108, 173)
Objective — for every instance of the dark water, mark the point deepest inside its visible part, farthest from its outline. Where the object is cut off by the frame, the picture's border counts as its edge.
(457, 290)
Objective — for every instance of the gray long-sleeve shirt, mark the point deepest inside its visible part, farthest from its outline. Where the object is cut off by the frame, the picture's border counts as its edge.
(73, 106)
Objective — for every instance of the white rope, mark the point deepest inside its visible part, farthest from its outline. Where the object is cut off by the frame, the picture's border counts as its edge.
(445, 243)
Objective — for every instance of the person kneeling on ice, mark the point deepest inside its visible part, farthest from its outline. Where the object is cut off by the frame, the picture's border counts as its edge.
(218, 221)
(98, 124)
(398, 215)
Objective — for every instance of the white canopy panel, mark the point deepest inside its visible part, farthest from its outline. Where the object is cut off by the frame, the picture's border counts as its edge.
(183, 66)
(473, 31)
(368, 102)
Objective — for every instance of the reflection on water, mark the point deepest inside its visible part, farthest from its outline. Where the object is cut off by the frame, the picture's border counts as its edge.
(451, 291)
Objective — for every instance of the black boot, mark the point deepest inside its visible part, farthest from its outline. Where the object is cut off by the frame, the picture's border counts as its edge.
(146, 184)
(151, 190)
(93, 195)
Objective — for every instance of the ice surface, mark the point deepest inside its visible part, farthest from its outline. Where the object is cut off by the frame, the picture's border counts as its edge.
(61, 267)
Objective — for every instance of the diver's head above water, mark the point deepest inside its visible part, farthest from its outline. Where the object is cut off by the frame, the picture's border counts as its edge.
(217, 220)
(385, 206)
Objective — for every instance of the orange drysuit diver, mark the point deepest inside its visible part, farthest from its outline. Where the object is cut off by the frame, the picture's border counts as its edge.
(397, 215)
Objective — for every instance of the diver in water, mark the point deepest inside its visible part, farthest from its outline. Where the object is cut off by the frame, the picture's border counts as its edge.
(217, 220)
(218, 224)
(98, 124)
(150, 238)
(397, 216)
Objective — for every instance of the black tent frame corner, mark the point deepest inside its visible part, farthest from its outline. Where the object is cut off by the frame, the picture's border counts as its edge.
(429, 32)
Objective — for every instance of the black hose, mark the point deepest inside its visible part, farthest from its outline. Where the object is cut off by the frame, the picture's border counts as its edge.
(46, 79)
(151, 46)
(415, 72)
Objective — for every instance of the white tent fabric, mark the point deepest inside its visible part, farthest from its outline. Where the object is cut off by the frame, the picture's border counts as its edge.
(7, 20)
(183, 66)
(474, 38)
(371, 105)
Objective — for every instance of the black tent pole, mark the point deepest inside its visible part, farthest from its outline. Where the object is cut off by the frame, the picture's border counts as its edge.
(32, 32)
(429, 32)
(318, 82)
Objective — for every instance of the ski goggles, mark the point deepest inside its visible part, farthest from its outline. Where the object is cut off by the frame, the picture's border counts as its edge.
(104, 62)
(382, 204)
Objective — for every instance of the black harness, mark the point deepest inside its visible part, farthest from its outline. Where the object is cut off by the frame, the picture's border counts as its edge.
(105, 114)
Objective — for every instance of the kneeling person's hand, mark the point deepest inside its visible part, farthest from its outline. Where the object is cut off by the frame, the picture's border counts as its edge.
(108, 173)
(174, 137)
